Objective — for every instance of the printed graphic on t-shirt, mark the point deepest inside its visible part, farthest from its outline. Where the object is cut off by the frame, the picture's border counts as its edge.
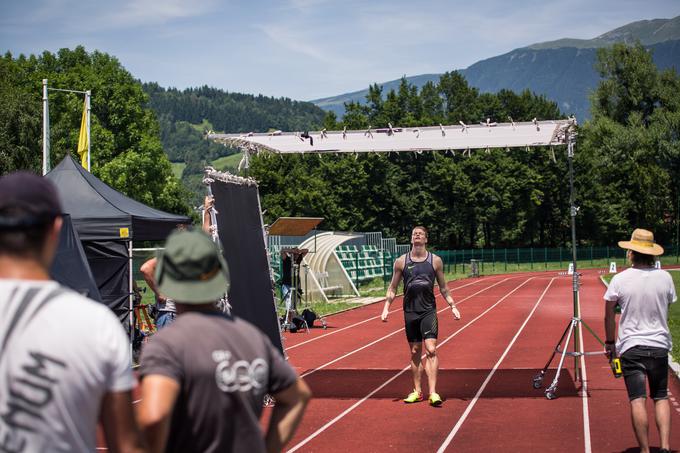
(240, 376)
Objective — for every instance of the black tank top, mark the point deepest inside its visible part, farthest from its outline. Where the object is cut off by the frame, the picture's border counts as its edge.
(419, 278)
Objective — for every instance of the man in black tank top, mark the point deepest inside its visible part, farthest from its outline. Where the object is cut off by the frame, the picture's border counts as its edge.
(419, 269)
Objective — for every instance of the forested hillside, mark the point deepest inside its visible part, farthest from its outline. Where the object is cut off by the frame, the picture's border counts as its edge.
(185, 115)
(232, 112)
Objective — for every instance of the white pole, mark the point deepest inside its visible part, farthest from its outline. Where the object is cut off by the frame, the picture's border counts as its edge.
(88, 95)
(130, 299)
(46, 131)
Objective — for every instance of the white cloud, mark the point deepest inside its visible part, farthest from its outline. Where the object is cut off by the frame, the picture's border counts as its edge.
(297, 41)
(76, 15)
(154, 12)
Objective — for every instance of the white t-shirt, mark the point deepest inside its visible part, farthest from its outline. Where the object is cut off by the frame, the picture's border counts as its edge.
(644, 296)
(59, 354)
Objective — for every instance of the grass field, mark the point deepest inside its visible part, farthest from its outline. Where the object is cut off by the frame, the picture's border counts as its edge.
(178, 168)
(673, 316)
(228, 163)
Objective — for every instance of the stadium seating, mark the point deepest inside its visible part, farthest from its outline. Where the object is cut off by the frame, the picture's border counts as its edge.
(364, 263)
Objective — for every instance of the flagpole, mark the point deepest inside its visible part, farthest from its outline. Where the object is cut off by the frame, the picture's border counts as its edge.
(88, 95)
(46, 131)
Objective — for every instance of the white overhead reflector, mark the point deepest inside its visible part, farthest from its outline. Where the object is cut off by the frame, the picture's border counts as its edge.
(414, 139)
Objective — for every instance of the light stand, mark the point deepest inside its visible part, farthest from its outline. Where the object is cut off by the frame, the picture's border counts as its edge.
(574, 326)
(296, 262)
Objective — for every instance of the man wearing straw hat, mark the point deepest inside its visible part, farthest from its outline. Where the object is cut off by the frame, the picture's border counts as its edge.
(204, 377)
(644, 294)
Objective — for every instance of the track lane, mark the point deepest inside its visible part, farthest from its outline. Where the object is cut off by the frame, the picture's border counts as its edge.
(509, 405)
(353, 318)
(306, 359)
(387, 395)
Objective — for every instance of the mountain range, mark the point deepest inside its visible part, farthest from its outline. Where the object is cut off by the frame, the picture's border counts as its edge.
(562, 70)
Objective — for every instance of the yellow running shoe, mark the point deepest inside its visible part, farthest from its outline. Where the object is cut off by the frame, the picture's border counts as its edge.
(414, 397)
(435, 400)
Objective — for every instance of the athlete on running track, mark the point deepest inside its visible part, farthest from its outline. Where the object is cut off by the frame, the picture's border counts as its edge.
(419, 269)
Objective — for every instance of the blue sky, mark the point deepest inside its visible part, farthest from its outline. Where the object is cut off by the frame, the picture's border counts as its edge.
(305, 49)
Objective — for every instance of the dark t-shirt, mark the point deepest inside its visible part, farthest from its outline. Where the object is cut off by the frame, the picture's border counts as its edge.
(224, 366)
(419, 278)
(287, 271)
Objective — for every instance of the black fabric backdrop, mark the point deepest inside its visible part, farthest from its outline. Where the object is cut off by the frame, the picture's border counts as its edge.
(70, 266)
(111, 269)
(240, 227)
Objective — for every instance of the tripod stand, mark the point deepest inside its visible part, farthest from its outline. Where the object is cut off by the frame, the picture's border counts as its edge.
(574, 326)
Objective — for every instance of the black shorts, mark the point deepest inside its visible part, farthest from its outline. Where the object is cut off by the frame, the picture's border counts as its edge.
(420, 326)
(641, 362)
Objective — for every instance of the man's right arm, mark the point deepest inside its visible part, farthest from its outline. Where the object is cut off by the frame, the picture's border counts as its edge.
(290, 405)
(610, 327)
(117, 418)
(392, 289)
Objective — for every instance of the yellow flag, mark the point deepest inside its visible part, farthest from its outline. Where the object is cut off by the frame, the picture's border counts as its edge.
(82, 139)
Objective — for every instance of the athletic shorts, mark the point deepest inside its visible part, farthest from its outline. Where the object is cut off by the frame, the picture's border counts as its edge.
(642, 363)
(420, 326)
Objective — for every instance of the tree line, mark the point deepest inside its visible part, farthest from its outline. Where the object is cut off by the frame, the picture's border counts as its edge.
(626, 166)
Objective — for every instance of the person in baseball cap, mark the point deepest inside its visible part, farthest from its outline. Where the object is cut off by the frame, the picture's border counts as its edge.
(644, 294)
(42, 326)
(27, 200)
(30, 214)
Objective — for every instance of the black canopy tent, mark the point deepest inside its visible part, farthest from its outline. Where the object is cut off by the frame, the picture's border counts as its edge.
(107, 222)
(101, 213)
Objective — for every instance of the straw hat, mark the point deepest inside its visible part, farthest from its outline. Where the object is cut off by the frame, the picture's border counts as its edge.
(642, 241)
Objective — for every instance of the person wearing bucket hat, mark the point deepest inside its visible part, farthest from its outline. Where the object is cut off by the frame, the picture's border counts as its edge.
(165, 306)
(644, 294)
(59, 375)
(205, 376)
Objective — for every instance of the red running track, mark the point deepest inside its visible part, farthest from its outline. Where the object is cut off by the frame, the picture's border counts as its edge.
(358, 371)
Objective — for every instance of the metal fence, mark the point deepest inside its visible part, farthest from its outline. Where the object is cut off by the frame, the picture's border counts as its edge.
(509, 259)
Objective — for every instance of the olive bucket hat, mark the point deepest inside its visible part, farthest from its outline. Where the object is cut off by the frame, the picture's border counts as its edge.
(642, 241)
(191, 269)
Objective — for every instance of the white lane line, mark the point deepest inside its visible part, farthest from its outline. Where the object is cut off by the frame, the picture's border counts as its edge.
(399, 373)
(472, 403)
(360, 322)
(390, 334)
(584, 393)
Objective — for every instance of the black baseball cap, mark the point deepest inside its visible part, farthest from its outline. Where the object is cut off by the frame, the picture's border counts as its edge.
(27, 200)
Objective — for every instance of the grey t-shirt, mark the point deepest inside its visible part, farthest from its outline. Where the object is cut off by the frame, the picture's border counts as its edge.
(224, 366)
(644, 296)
